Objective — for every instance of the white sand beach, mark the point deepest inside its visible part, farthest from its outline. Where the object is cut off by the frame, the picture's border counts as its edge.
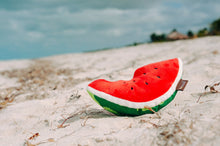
(36, 96)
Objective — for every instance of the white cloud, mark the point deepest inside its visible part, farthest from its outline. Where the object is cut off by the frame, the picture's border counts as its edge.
(71, 32)
(34, 36)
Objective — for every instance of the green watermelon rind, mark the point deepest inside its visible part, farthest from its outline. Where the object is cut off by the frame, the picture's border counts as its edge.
(127, 111)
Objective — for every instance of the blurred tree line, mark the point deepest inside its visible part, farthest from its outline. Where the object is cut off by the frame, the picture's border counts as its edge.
(214, 29)
(158, 38)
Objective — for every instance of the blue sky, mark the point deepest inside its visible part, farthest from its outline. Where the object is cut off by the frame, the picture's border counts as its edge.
(37, 28)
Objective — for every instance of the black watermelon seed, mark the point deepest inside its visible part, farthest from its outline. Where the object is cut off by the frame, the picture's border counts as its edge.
(158, 76)
(144, 73)
(132, 88)
(146, 83)
(155, 68)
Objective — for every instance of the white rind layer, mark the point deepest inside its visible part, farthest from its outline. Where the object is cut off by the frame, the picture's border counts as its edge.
(132, 104)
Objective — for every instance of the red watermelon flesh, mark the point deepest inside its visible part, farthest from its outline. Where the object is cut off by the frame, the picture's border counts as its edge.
(150, 85)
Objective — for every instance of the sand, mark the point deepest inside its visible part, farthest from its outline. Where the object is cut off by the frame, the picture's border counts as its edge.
(36, 96)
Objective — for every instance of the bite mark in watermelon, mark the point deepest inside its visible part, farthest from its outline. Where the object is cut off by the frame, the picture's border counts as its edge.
(153, 85)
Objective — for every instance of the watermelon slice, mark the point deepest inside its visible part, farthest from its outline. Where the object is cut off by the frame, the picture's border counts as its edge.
(153, 85)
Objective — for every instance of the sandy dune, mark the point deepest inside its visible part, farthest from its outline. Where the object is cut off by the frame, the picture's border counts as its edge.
(36, 96)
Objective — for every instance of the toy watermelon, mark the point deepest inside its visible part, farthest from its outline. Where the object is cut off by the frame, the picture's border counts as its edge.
(153, 85)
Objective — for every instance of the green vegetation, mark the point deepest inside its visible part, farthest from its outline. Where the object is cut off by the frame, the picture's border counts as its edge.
(214, 29)
(203, 32)
(158, 38)
(190, 34)
(135, 44)
(174, 30)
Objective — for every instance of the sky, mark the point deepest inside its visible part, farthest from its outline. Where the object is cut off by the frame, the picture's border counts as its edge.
(39, 28)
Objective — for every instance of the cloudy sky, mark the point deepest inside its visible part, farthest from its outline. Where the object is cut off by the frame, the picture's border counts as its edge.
(37, 28)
